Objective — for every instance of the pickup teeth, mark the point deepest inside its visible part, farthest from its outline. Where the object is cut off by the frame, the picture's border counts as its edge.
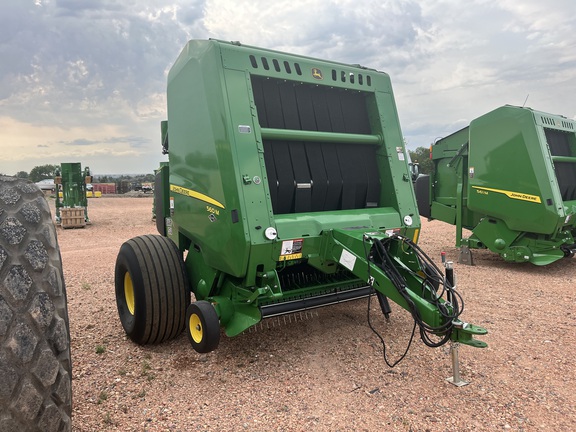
(283, 320)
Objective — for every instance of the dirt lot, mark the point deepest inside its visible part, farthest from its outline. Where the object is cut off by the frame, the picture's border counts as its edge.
(324, 372)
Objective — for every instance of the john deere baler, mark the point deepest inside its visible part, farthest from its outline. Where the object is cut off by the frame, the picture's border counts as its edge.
(287, 188)
(71, 203)
(509, 178)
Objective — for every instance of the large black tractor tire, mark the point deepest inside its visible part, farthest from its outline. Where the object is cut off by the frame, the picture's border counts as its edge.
(35, 364)
(152, 291)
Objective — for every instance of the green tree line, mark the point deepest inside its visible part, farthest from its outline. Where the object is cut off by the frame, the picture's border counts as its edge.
(48, 171)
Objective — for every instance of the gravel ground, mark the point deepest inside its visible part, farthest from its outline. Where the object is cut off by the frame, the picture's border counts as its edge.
(323, 371)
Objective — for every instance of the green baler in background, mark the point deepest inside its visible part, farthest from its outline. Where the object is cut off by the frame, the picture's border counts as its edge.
(71, 202)
(509, 178)
(287, 188)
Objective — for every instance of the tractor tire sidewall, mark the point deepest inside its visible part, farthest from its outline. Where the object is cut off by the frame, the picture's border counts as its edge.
(133, 324)
(35, 362)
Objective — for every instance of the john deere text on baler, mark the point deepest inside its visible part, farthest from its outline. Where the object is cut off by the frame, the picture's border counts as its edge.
(287, 187)
(510, 178)
(71, 201)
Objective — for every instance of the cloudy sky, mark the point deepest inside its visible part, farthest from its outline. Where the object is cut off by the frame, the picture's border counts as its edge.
(84, 80)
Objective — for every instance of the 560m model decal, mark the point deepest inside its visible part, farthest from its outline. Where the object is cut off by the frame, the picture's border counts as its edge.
(514, 195)
(193, 194)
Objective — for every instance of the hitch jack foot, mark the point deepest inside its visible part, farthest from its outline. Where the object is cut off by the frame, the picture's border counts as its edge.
(455, 378)
(465, 256)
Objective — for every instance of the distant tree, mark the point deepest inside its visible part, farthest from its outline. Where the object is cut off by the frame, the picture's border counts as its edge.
(104, 179)
(422, 156)
(42, 172)
(22, 174)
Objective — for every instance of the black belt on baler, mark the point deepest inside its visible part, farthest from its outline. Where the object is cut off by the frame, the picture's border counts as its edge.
(559, 143)
(316, 176)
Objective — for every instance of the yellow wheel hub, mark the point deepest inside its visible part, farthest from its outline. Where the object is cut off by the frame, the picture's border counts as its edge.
(195, 326)
(129, 293)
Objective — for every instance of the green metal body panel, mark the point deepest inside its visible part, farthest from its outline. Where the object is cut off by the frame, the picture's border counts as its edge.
(277, 163)
(71, 184)
(510, 178)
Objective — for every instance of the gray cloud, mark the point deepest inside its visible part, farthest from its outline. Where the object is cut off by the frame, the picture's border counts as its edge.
(84, 57)
(93, 72)
(132, 141)
(80, 142)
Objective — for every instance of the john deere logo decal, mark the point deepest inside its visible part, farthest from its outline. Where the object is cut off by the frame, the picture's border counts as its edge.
(514, 195)
(317, 74)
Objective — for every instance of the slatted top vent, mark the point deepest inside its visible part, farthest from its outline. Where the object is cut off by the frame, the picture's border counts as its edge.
(272, 64)
(275, 64)
(557, 122)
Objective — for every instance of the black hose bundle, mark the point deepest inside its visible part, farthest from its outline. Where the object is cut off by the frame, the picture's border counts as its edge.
(434, 288)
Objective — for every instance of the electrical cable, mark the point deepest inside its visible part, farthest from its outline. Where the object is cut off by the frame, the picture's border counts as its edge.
(434, 285)
(391, 365)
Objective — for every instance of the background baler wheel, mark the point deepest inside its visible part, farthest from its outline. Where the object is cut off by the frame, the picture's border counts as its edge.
(152, 290)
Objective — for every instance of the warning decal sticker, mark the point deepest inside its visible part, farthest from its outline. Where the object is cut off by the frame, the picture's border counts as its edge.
(291, 249)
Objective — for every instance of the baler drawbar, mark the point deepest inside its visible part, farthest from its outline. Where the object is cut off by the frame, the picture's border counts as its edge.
(287, 188)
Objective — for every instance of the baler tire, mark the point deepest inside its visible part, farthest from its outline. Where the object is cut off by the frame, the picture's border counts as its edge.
(203, 326)
(152, 291)
(35, 363)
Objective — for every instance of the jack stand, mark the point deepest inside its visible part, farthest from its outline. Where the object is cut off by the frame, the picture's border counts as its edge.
(455, 378)
(465, 256)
